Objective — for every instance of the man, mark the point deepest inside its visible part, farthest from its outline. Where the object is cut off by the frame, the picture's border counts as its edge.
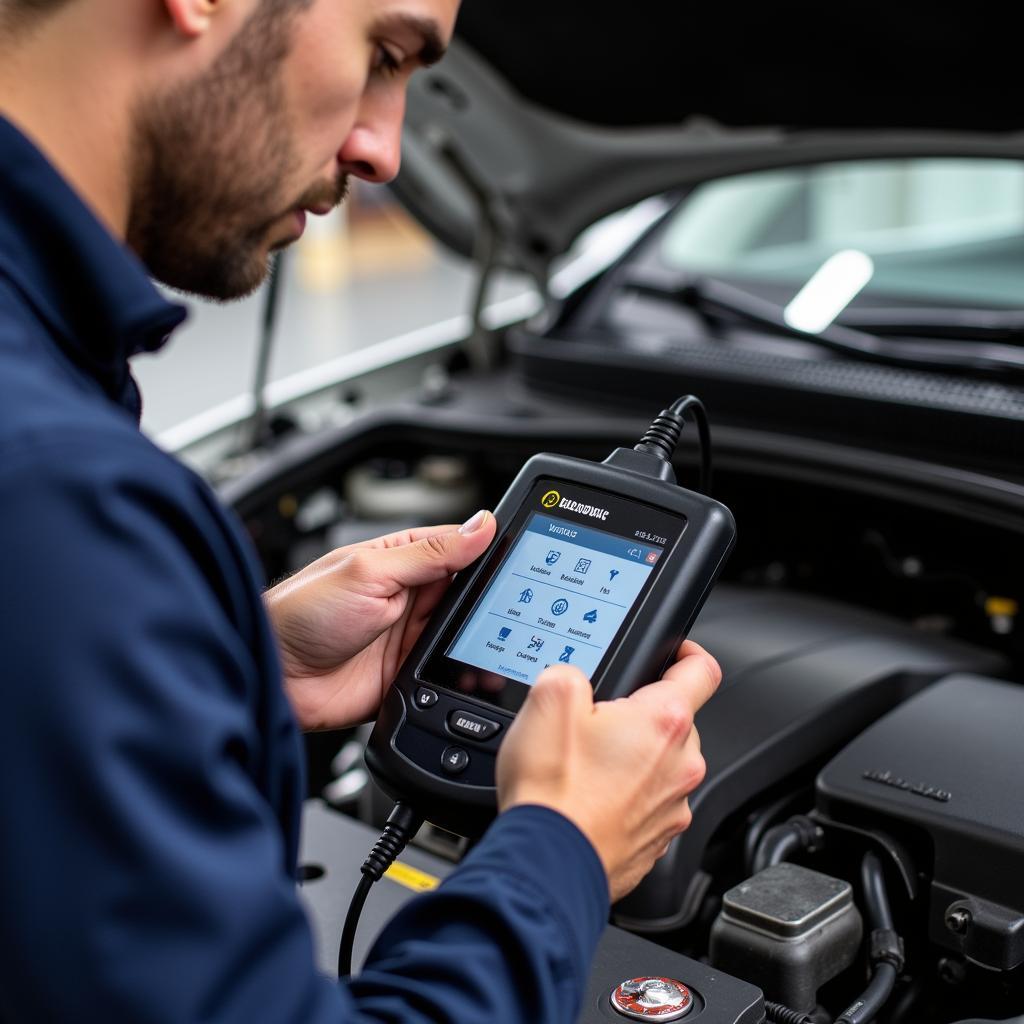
(148, 749)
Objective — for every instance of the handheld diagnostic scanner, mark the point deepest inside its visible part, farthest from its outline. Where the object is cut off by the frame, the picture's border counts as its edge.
(599, 565)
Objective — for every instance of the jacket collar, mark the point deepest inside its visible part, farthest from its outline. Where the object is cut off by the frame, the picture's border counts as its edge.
(90, 291)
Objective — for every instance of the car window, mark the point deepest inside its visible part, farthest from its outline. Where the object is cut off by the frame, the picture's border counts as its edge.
(937, 230)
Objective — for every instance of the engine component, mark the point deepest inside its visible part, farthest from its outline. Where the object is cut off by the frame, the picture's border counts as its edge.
(436, 489)
(943, 775)
(717, 997)
(661, 999)
(802, 677)
(787, 930)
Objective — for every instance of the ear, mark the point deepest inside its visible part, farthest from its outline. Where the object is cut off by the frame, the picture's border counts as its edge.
(192, 18)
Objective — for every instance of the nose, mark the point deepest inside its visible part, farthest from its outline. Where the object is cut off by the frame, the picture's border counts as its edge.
(373, 149)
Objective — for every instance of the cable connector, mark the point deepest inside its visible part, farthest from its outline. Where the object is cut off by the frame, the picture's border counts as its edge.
(652, 454)
(402, 824)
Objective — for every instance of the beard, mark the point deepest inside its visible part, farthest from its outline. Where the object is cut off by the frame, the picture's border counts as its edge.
(210, 157)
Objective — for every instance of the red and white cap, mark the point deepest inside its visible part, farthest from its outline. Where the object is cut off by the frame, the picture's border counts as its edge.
(652, 998)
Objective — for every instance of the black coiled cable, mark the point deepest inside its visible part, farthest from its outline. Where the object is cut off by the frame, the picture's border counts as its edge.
(402, 824)
(779, 1014)
(662, 436)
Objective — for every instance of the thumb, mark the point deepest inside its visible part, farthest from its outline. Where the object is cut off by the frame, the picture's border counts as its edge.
(561, 692)
(558, 701)
(436, 556)
(562, 685)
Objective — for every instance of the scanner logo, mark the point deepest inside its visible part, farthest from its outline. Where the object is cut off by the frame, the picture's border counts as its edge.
(551, 499)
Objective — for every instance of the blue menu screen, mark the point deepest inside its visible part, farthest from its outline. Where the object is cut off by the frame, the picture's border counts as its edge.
(561, 595)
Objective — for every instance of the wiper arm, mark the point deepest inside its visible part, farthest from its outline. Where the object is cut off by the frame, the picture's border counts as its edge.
(710, 296)
(939, 322)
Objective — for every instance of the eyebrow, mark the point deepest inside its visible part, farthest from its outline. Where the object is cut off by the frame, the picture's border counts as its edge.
(432, 47)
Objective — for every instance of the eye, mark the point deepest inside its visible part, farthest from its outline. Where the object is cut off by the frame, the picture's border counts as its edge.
(386, 62)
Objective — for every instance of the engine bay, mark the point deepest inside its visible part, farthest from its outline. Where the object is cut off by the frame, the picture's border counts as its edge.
(859, 817)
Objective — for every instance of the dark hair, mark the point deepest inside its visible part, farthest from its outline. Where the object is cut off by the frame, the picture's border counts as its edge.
(31, 7)
(18, 13)
(30, 10)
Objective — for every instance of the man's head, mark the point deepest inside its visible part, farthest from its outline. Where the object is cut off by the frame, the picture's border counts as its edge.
(246, 114)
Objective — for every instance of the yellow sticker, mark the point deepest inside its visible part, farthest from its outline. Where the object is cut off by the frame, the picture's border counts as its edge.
(411, 878)
(1001, 606)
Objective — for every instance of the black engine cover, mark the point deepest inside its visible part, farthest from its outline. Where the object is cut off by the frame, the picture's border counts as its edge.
(802, 677)
(944, 775)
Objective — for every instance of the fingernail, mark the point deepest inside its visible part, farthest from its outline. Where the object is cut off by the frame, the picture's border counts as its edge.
(474, 523)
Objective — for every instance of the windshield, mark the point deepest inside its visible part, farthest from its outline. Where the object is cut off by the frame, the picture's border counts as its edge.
(937, 231)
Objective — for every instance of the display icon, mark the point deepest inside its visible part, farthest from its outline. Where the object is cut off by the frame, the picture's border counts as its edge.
(526, 596)
(583, 566)
(634, 552)
(590, 616)
(612, 574)
(566, 654)
(552, 557)
(503, 633)
(560, 607)
(535, 644)
(652, 557)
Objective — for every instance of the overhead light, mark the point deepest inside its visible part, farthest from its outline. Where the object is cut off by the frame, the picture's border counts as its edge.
(835, 284)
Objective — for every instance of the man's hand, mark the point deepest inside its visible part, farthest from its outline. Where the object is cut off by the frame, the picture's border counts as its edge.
(620, 770)
(345, 623)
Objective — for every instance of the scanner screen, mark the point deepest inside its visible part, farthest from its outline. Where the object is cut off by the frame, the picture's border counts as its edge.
(560, 595)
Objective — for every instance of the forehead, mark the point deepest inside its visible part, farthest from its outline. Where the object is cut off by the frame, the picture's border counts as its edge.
(440, 14)
(422, 29)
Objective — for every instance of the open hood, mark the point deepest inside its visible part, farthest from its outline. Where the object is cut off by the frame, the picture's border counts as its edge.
(546, 117)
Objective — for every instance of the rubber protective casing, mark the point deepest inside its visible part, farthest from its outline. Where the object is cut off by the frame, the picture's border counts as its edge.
(405, 748)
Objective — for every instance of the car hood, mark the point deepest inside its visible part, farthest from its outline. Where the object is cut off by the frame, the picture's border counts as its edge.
(543, 117)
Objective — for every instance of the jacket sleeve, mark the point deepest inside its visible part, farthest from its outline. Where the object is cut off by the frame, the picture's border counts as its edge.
(508, 936)
(143, 871)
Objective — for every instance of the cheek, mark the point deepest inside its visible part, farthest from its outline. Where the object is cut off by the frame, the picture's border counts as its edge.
(327, 76)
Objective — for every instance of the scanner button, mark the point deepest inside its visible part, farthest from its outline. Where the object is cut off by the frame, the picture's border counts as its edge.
(454, 760)
(476, 728)
(425, 698)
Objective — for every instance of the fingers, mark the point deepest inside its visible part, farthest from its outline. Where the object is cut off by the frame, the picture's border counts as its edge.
(562, 684)
(687, 685)
(560, 693)
(691, 649)
(418, 533)
(559, 700)
(434, 555)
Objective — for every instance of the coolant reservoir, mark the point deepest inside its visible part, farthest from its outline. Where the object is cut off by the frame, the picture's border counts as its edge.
(788, 930)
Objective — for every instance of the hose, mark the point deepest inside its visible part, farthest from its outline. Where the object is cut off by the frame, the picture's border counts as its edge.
(871, 1000)
(886, 953)
(875, 897)
(782, 841)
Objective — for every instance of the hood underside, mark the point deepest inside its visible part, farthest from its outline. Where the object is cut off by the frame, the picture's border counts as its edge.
(545, 117)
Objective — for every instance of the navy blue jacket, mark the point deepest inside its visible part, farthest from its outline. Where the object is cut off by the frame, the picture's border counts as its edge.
(150, 764)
